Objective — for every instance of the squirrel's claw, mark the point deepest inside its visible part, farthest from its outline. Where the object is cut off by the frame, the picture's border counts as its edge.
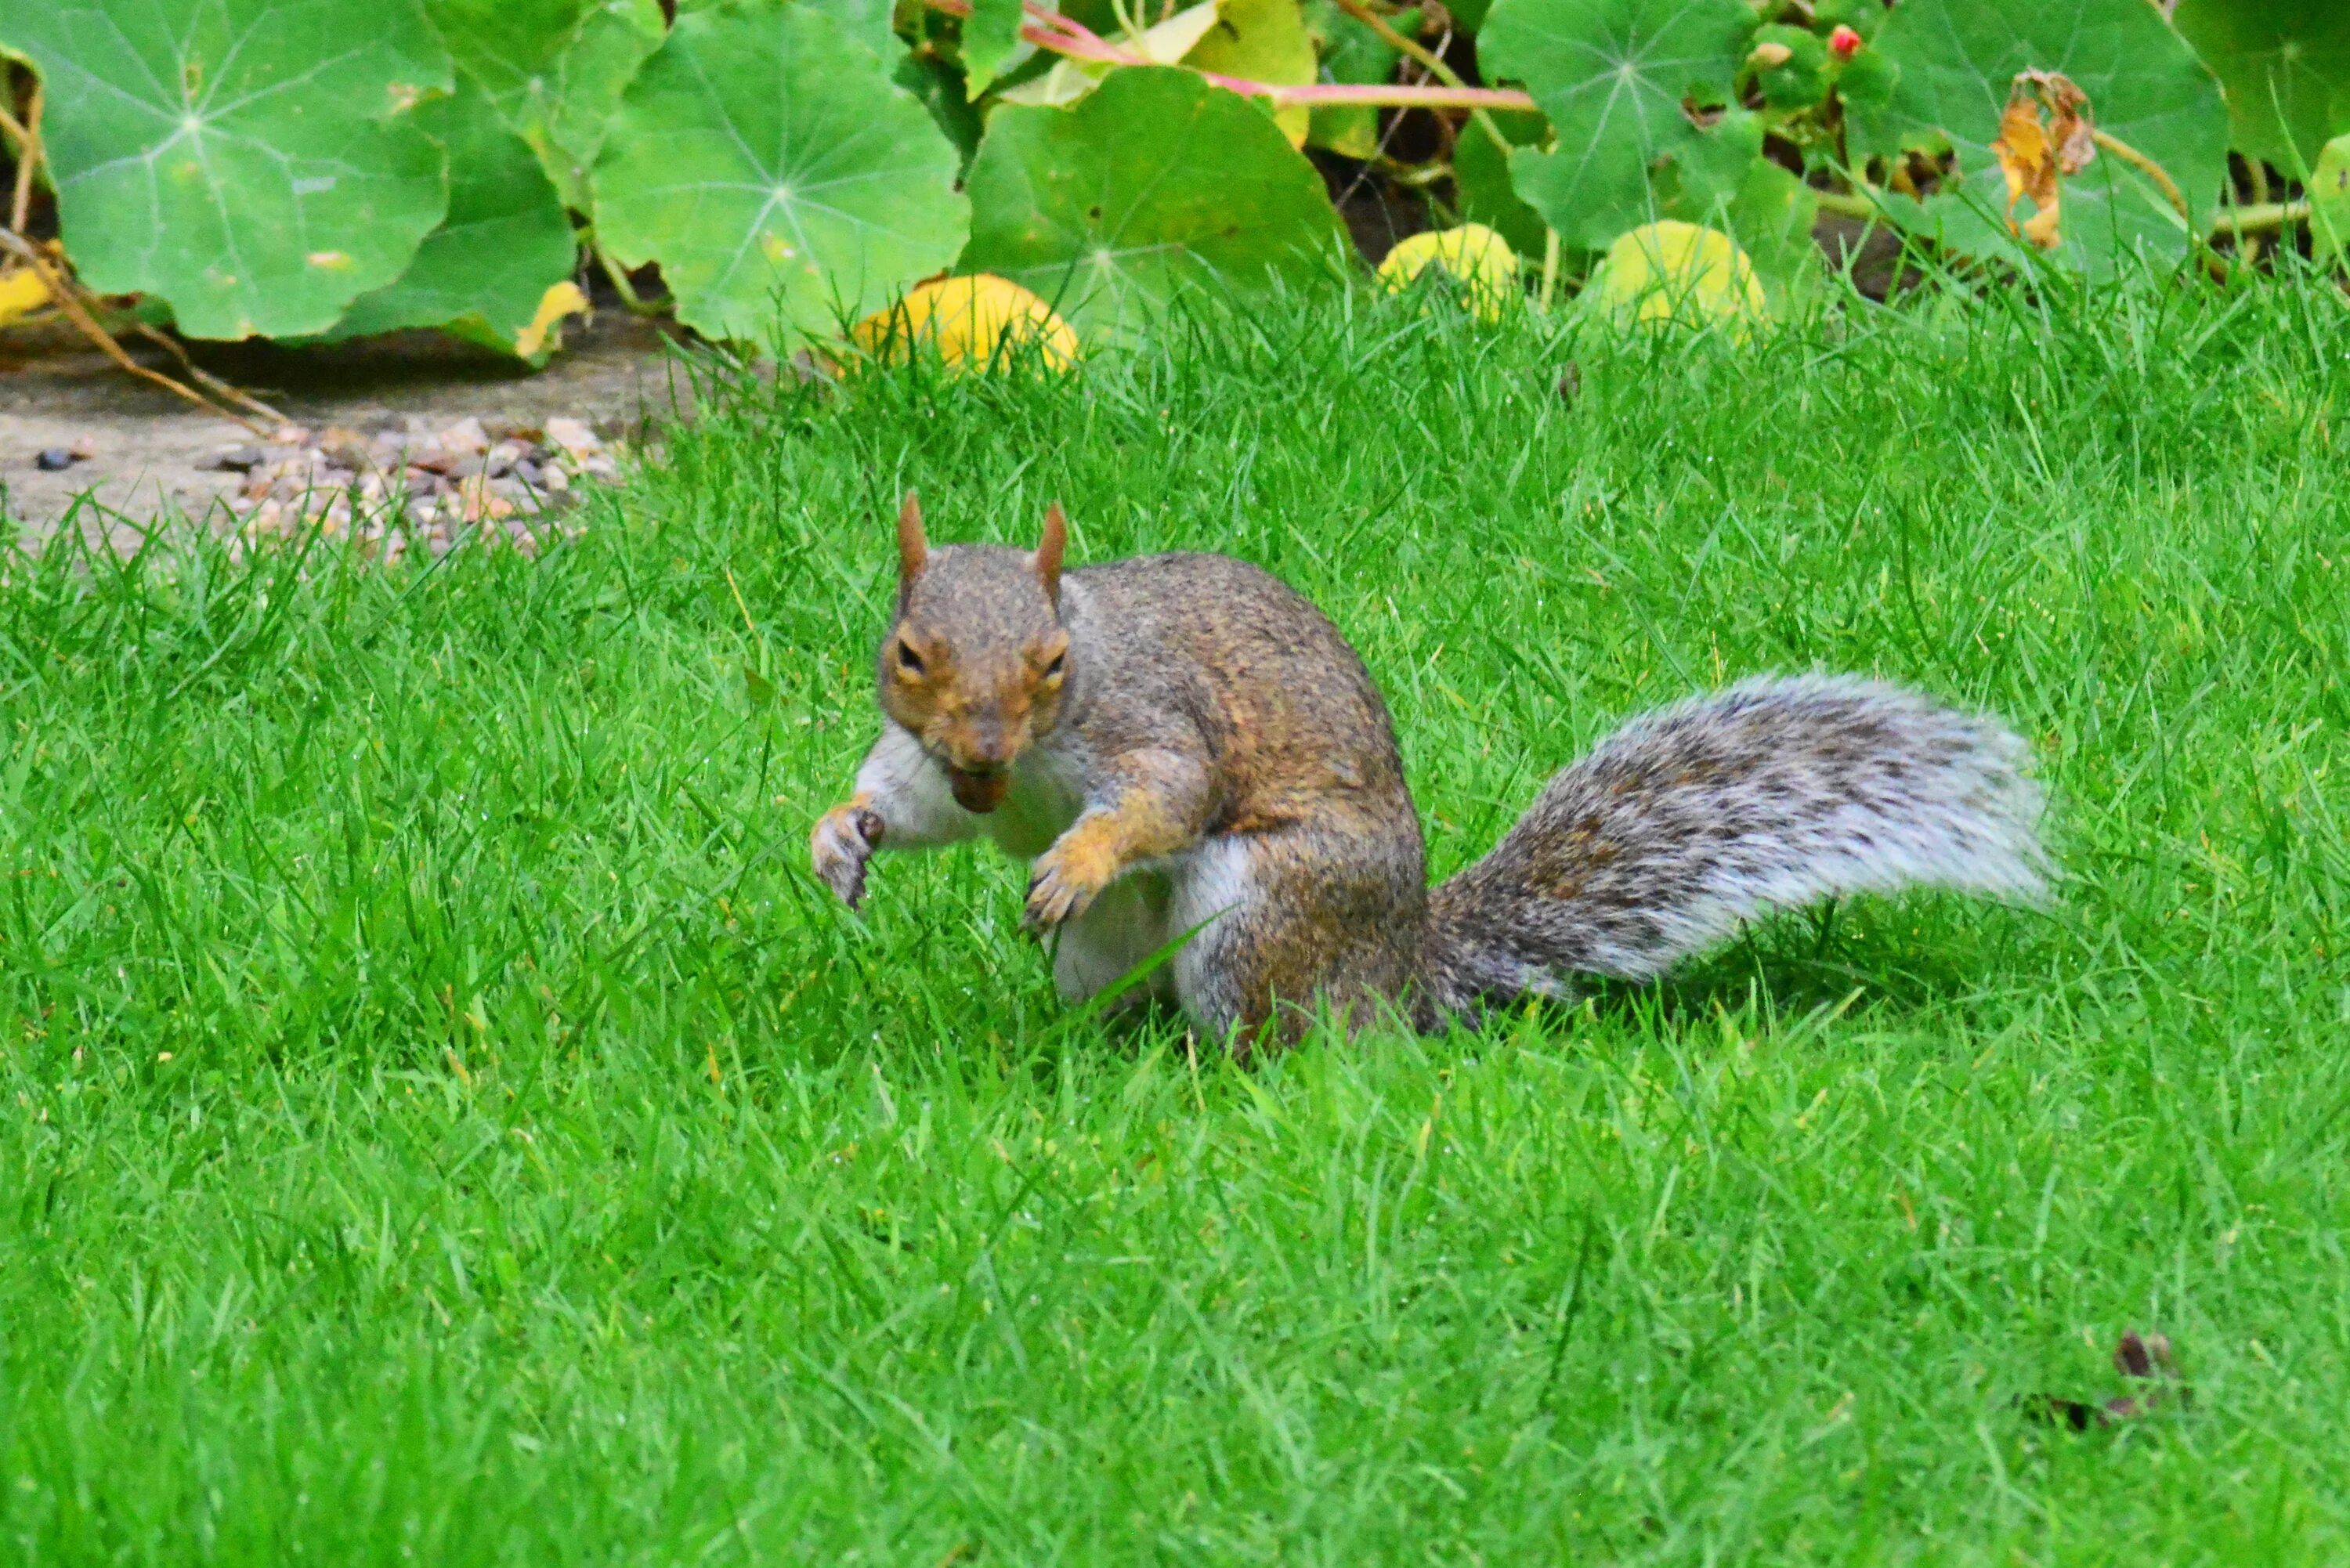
(844, 840)
(1054, 896)
(1069, 875)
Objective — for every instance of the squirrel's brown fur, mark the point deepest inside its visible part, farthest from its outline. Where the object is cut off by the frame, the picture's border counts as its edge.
(1190, 753)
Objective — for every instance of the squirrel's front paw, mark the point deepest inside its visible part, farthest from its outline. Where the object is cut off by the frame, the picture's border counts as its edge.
(844, 840)
(1066, 880)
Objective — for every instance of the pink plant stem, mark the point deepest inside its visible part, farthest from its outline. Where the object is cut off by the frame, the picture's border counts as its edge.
(1072, 39)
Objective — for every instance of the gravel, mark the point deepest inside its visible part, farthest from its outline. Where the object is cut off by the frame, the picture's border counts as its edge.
(413, 486)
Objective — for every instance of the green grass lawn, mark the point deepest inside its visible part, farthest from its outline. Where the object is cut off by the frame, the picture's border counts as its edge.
(442, 1120)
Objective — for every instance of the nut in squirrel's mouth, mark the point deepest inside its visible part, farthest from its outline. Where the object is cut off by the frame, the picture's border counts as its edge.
(981, 793)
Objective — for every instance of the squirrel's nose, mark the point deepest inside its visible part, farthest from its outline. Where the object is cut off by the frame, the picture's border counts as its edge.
(989, 750)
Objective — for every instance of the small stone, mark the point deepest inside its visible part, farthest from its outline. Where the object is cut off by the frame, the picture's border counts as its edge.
(235, 460)
(553, 480)
(54, 460)
(83, 448)
(467, 437)
(348, 450)
(579, 444)
(502, 459)
(480, 503)
(530, 474)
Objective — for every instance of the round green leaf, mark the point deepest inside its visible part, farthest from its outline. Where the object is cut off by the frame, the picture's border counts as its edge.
(1263, 41)
(1481, 174)
(614, 39)
(253, 164)
(503, 244)
(765, 160)
(1800, 80)
(554, 69)
(1957, 63)
(991, 44)
(1155, 185)
(2286, 67)
(942, 90)
(1612, 74)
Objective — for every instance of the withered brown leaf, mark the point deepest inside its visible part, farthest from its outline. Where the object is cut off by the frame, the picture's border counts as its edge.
(2045, 133)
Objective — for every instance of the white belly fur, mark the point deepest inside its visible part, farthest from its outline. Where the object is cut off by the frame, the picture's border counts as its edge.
(1135, 916)
(1122, 928)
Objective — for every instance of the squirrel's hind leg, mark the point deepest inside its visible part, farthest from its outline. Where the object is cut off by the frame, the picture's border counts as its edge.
(1288, 918)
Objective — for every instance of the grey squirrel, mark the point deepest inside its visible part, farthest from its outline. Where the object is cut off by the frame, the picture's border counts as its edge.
(1185, 746)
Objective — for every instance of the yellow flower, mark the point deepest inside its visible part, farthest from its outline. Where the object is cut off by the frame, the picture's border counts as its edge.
(964, 321)
(1480, 258)
(1673, 271)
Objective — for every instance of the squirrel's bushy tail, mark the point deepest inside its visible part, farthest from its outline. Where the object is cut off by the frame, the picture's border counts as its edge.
(1688, 821)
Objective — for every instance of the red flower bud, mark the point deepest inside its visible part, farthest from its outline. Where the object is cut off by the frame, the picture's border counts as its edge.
(1844, 43)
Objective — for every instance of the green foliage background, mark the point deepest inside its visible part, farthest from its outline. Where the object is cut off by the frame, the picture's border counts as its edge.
(294, 168)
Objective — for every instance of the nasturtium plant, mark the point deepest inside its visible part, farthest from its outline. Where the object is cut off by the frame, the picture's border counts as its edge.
(975, 322)
(940, 87)
(767, 161)
(256, 165)
(1264, 41)
(1165, 42)
(1480, 176)
(1721, 180)
(1790, 67)
(552, 70)
(1155, 185)
(614, 39)
(1349, 51)
(1677, 271)
(2286, 64)
(1477, 261)
(870, 22)
(1617, 79)
(991, 44)
(485, 273)
(1957, 62)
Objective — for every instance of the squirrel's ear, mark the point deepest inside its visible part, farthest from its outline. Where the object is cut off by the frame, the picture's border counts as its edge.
(1049, 550)
(913, 549)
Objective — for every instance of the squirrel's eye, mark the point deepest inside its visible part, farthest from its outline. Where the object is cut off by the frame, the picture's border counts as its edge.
(908, 659)
(1053, 671)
